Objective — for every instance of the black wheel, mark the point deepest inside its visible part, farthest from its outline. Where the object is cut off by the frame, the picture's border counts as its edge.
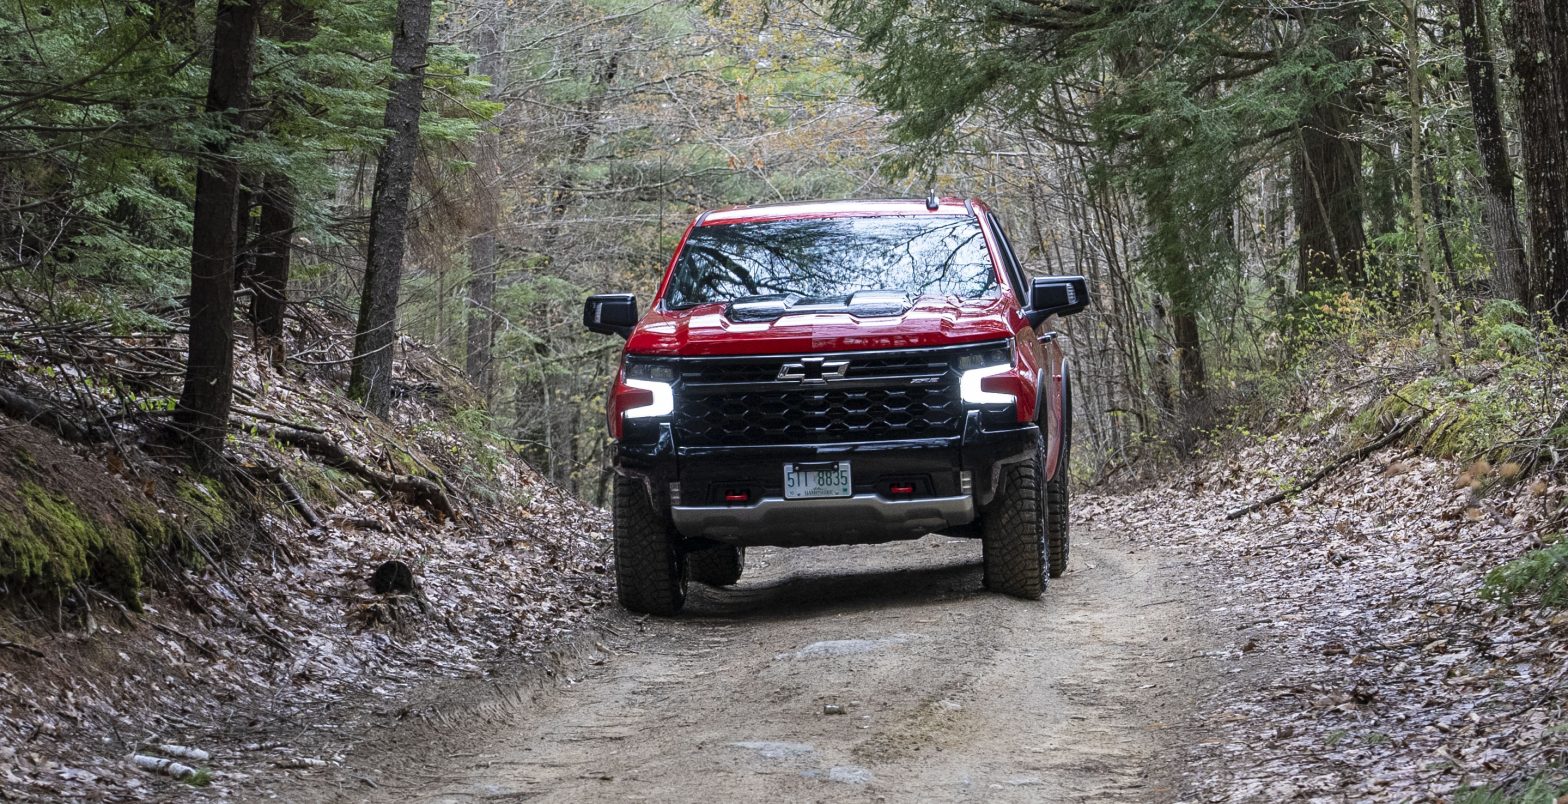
(717, 566)
(650, 573)
(1012, 533)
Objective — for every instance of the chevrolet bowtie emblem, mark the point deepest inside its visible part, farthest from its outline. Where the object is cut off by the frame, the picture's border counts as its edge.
(813, 370)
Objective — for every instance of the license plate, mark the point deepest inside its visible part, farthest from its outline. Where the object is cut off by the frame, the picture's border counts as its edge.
(814, 480)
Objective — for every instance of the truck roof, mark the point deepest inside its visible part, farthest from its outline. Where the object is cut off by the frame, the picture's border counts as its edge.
(833, 209)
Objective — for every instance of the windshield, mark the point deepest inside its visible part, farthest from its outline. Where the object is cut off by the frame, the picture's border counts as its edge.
(827, 258)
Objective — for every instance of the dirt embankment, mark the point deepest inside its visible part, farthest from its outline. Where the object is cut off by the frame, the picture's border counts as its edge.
(844, 674)
(142, 604)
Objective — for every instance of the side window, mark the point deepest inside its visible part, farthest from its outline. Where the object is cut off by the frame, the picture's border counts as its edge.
(1015, 271)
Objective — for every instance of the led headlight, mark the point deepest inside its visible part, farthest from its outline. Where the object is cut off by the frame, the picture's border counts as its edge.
(644, 391)
(977, 365)
(643, 369)
(971, 386)
(996, 354)
(661, 404)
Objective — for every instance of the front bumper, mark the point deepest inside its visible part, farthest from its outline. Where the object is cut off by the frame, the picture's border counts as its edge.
(952, 477)
(861, 519)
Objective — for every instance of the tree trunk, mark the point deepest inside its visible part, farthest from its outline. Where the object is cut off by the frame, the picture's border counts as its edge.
(1331, 240)
(203, 411)
(270, 280)
(1539, 32)
(1173, 273)
(371, 379)
(482, 254)
(1189, 360)
(274, 237)
(245, 247)
(1416, 88)
(1511, 275)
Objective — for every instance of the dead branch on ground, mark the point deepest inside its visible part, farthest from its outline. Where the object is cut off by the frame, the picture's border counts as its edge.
(423, 492)
(1352, 456)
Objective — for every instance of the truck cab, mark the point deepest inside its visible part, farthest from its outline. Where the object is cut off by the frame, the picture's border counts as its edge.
(844, 372)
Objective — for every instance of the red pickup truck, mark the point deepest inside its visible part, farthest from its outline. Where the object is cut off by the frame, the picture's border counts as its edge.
(839, 372)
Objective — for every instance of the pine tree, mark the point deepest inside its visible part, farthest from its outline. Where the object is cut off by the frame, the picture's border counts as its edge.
(203, 410)
(371, 378)
(1511, 277)
(1539, 33)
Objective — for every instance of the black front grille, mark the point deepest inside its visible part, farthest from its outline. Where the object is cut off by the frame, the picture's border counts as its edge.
(879, 396)
(821, 415)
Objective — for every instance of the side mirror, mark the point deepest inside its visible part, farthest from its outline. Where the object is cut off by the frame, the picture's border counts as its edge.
(611, 314)
(1056, 295)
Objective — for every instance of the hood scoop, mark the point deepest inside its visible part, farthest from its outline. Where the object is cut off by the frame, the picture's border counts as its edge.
(861, 304)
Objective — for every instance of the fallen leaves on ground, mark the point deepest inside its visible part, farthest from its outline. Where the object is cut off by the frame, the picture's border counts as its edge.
(1366, 666)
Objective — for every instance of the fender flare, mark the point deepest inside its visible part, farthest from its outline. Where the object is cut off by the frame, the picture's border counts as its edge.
(1067, 405)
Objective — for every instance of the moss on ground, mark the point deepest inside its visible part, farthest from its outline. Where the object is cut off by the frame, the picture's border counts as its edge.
(1464, 419)
(203, 499)
(48, 544)
(69, 522)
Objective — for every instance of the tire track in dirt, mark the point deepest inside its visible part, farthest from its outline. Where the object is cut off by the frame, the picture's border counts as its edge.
(947, 692)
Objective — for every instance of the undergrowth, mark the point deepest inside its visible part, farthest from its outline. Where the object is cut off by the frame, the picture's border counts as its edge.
(1539, 574)
(1544, 789)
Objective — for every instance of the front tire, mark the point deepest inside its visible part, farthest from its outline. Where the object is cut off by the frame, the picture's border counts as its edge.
(1012, 533)
(717, 566)
(650, 572)
(1058, 540)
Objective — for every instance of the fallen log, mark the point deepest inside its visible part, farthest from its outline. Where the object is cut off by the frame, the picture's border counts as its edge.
(182, 752)
(33, 412)
(167, 767)
(1317, 477)
(423, 492)
(268, 473)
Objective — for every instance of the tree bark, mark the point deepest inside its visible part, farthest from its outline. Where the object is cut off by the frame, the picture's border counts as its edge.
(244, 246)
(1332, 241)
(1416, 87)
(1539, 34)
(1174, 275)
(275, 230)
(1331, 245)
(371, 379)
(270, 279)
(1189, 360)
(482, 252)
(203, 410)
(1511, 275)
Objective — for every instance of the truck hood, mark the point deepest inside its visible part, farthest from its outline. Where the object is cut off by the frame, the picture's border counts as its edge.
(771, 326)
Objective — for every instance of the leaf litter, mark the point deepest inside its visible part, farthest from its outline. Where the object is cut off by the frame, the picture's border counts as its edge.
(1367, 666)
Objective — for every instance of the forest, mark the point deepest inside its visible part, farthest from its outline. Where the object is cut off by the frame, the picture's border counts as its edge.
(295, 286)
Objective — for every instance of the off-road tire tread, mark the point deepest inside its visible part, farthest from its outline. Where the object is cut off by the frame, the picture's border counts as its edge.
(650, 573)
(1058, 538)
(717, 566)
(1012, 535)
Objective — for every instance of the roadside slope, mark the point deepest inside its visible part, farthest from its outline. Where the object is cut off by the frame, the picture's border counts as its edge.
(144, 604)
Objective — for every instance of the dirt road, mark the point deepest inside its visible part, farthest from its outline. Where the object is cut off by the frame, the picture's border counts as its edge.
(946, 692)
